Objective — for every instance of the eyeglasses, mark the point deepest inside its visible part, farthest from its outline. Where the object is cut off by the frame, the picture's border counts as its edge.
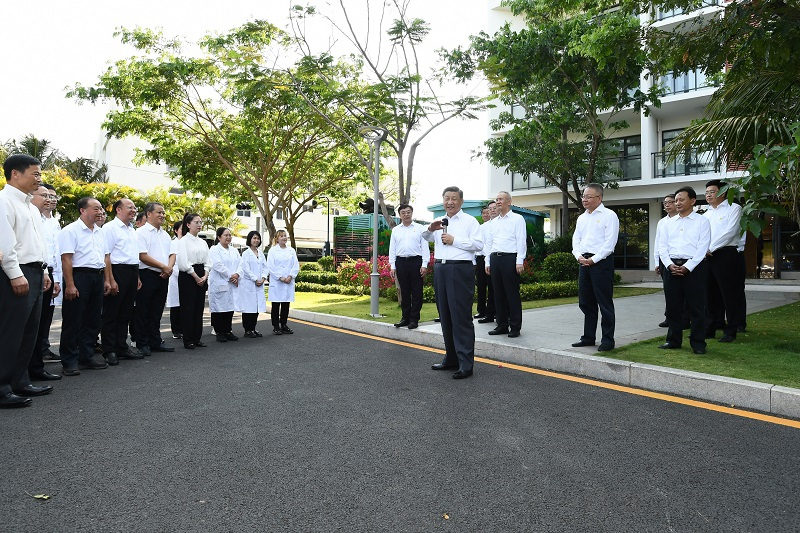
(47, 196)
(590, 197)
(669, 202)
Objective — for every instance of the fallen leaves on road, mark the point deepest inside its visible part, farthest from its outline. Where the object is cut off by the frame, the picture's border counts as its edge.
(446, 516)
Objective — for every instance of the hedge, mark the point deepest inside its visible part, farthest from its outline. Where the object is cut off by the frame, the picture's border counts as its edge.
(310, 267)
(302, 286)
(319, 278)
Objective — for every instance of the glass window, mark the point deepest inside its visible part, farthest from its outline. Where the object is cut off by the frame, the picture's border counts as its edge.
(633, 244)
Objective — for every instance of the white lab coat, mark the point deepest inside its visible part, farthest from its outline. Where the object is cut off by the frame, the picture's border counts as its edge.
(221, 292)
(282, 262)
(173, 297)
(251, 298)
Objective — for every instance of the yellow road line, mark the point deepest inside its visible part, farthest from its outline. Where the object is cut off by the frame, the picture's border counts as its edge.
(586, 381)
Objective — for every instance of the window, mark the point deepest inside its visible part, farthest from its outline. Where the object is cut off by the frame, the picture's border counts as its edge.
(243, 213)
(628, 161)
(632, 251)
(685, 82)
(519, 183)
(692, 161)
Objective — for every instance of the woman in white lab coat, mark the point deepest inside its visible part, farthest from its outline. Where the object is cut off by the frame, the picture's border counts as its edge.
(193, 264)
(253, 276)
(283, 266)
(173, 299)
(223, 281)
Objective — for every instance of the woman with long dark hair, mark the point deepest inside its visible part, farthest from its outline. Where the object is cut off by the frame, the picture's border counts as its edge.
(193, 263)
(283, 267)
(173, 299)
(222, 285)
(251, 297)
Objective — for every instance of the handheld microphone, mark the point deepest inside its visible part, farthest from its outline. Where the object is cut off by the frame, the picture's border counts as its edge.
(445, 222)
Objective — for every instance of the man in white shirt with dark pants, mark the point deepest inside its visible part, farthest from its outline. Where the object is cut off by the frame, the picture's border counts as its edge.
(505, 263)
(593, 243)
(408, 258)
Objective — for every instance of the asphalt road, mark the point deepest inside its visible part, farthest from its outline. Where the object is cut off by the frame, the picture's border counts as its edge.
(325, 431)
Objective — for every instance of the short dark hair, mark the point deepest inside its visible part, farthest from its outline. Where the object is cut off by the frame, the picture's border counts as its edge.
(669, 196)
(688, 190)
(176, 226)
(19, 162)
(404, 206)
(141, 214)
(220, 231)
(83, 203)
(716, 183)
(151, 206)
(186, 220)
(453, 188)
(250, 236)
(116, 204)
(48, 186)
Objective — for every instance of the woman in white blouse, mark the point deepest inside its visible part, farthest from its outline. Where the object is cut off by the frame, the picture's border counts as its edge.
(253, 272)
(192, 262)
(173, 299)
(283, 267)
(222, 284)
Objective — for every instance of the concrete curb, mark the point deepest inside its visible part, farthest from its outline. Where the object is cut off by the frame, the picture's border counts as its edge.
(741, 393)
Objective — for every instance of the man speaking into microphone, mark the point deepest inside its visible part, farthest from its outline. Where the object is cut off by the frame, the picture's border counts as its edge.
(456, 238)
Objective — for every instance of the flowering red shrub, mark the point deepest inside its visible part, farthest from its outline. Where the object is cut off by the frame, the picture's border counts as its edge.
(357, 273)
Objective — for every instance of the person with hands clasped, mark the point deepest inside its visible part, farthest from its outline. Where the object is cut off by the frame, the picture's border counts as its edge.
(408, 259)
(193, 264)
(222, 285)
(283, 267)
(253, 274)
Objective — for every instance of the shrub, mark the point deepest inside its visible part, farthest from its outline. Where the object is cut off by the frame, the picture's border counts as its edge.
(562, 243)
(321, 278)
(326, 262)
(553, 289)
(307, 267)
(528, 273)
(428, 294)
(302, 286)
(560, 266)
(357, 273)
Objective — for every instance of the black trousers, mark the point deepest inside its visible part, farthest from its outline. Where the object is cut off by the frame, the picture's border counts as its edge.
(742, 276)
(596, 292)
(81, 318)
(483, 283)
(222, 322)
(280, 314)
(664, 274)
(249, 321)
(150, 302)
(455, 287)
(175, 320)
(687, 292)
(19, 326)
(725, 288)
(410, 286)
(42, 346)
(118, 308)
(193, 303)
(507, 300)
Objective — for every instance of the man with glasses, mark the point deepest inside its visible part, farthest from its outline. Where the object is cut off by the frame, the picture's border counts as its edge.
(671, 211)
(44, 199)
(593, 244)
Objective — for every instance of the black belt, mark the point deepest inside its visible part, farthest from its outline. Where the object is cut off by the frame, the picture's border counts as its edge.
(502, 254)
(41, 265)
(453, 261)
(87, 269)
(409, 257)
(723, 248)
(677, 261)
(587, 255)
(125, 265)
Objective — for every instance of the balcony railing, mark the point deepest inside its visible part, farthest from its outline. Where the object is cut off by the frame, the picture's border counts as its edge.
(690, 163)
(518, 183)
(627, 168)
(661, 15)
(683, 83)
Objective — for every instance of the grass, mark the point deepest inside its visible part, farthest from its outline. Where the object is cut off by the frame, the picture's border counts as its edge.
(769, 352)
(359, 306)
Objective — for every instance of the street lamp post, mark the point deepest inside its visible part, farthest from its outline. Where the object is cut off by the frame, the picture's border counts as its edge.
(327, 235)
(375, 136)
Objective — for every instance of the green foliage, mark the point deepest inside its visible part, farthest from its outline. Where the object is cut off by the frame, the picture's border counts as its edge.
(320, 278)
(310, 267)
(302, 286)
(562, 243)
(326, 262)
(545, 290)
(428, 294)
(560, 266)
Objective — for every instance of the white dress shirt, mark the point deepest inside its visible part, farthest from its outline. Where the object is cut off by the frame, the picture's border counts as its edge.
(192, 251)
(466, 233)
(659, 236)
(154, 242)
(509, 236)
(25, 242)
(486, 237)
(407, 241)
(596, 233)
(725, 229)
(121, 242)
(50, 228)
(87, 246)
(685, 238)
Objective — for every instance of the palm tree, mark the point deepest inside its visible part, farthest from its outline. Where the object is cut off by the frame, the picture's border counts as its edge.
(41, 149)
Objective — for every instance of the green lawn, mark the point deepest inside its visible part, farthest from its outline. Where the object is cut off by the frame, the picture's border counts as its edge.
(768, 352)
(359, 306)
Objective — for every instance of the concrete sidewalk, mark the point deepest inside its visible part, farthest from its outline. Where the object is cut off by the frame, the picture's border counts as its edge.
(547, 334)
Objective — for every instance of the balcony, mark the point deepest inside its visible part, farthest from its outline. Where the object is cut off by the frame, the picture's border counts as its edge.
(683, 83)
(628, 168)
(690, 163)
(518, 183)
(662, 15)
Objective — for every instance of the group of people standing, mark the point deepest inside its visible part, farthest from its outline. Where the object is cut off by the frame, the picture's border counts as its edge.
(116, 276)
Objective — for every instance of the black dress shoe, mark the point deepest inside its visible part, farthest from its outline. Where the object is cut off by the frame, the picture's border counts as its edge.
(437, 319)
(257, 334)
(231, 337)
(479, 315)
(513, 333)
(668, 346)
(44, 375)
(111, 358)
(605, 347)
(200, 344)
(34, 390)
(403, 323)
(10, 401)
(461, 374)
(71, 371)
(144, 350)
(277, 331)
(50, 356)
(442, 366)
(664, 324)
(222, 338)
(727, 338)
(189, 346)
(177, 336)
(162, 348)
(286, 330)
(413, 325)
(128, 354)
(486, 320)
(582, 343)
(699, 351)
(95, 363)
(498, 331)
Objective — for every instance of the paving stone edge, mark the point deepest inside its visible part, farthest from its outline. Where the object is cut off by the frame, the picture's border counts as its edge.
(741, 393)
